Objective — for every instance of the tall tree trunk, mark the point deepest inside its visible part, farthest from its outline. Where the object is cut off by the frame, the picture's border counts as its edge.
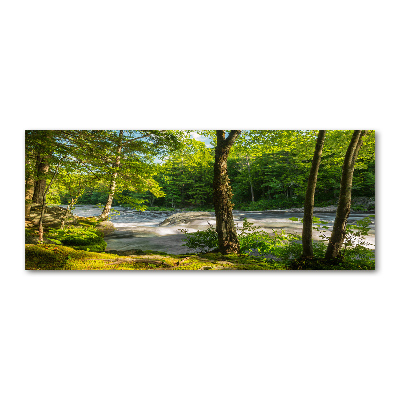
(43, 201)
(29, 185)
(309, 200)
(222, 194)
(250, 180)
(113, 184)
(42, 168)
(343, 210)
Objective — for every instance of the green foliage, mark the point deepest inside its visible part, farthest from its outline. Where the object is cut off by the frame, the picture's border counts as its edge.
(156, 208)
(252, 239)
(202, 241)
(317, 263)
(355, 243)
(274, 163)
(286, 248)
(359, 208)
(78, 237)
(186, 176)
(355, 254)
(268, 204)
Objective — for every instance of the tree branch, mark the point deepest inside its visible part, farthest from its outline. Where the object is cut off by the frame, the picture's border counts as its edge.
(232, 137)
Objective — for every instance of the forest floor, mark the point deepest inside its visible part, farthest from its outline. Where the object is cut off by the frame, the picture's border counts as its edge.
(54, 257)
(51, 256)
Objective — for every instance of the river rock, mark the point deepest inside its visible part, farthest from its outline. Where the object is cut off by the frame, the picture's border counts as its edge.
(185, 217)
(368, 203)
(106, 227)
(52, 217)
(316, 209)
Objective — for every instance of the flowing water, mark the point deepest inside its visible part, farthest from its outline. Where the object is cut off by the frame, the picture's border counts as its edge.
(142, 230)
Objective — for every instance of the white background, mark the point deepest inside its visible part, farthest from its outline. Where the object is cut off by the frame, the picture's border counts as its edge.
(192, 65)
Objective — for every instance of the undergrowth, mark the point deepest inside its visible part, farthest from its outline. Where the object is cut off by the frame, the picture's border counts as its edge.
(285, 249)
(79, 237)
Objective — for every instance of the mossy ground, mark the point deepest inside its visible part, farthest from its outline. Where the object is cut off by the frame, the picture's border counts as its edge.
(54, 257)
(91, 257)
(318, 263)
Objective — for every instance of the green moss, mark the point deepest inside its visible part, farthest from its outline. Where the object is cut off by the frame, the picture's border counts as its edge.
(56, 257)
(79, 237)
(316, 263)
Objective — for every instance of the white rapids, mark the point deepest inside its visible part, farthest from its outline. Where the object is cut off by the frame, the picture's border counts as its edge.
(142, 230)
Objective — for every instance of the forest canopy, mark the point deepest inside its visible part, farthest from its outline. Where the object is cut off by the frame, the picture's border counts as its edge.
(171, 169)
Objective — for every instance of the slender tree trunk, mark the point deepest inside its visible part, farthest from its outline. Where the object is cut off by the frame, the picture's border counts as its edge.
(113, 184)
(69, 208)
(42, 168)
(43, 201)
(222, 194)
(343, 210)
(309, 200)
(250, 180)
(29, 187)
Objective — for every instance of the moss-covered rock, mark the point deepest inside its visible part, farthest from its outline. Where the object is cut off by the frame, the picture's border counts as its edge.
(53, 216)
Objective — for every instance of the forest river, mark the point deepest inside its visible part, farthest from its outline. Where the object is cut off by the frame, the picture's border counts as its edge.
(148, 230)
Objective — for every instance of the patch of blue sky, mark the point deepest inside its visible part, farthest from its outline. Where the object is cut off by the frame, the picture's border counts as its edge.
(201, 138)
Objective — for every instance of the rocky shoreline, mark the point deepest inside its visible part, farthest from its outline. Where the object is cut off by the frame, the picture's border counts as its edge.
(54, 215)
(163, 231)
(183, 217)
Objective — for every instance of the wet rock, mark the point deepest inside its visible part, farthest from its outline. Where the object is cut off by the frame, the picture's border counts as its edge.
(363, 203)
(106, 227)
(185, 217)
(316, 209)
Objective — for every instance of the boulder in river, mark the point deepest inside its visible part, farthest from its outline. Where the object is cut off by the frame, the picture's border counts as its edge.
(185, 217)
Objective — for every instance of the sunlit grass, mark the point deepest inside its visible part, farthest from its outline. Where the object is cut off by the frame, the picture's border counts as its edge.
(54, 257)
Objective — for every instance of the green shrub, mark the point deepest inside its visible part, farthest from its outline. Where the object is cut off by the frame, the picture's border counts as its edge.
(358, 208)
(287, 247)
(251, 239)
(202, 241)
(269, 204)
(79, 237)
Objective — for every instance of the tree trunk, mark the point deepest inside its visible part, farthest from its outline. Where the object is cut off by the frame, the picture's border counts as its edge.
(309, 200)
(113, 184)
(343, 210)
(43, 201)
(222, 194)
(250, 181)
(29, 185)
(42, 168)
(68, 213)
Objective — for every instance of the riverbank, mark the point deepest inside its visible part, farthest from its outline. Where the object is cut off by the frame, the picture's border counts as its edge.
(163, 231)
(135, 234)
